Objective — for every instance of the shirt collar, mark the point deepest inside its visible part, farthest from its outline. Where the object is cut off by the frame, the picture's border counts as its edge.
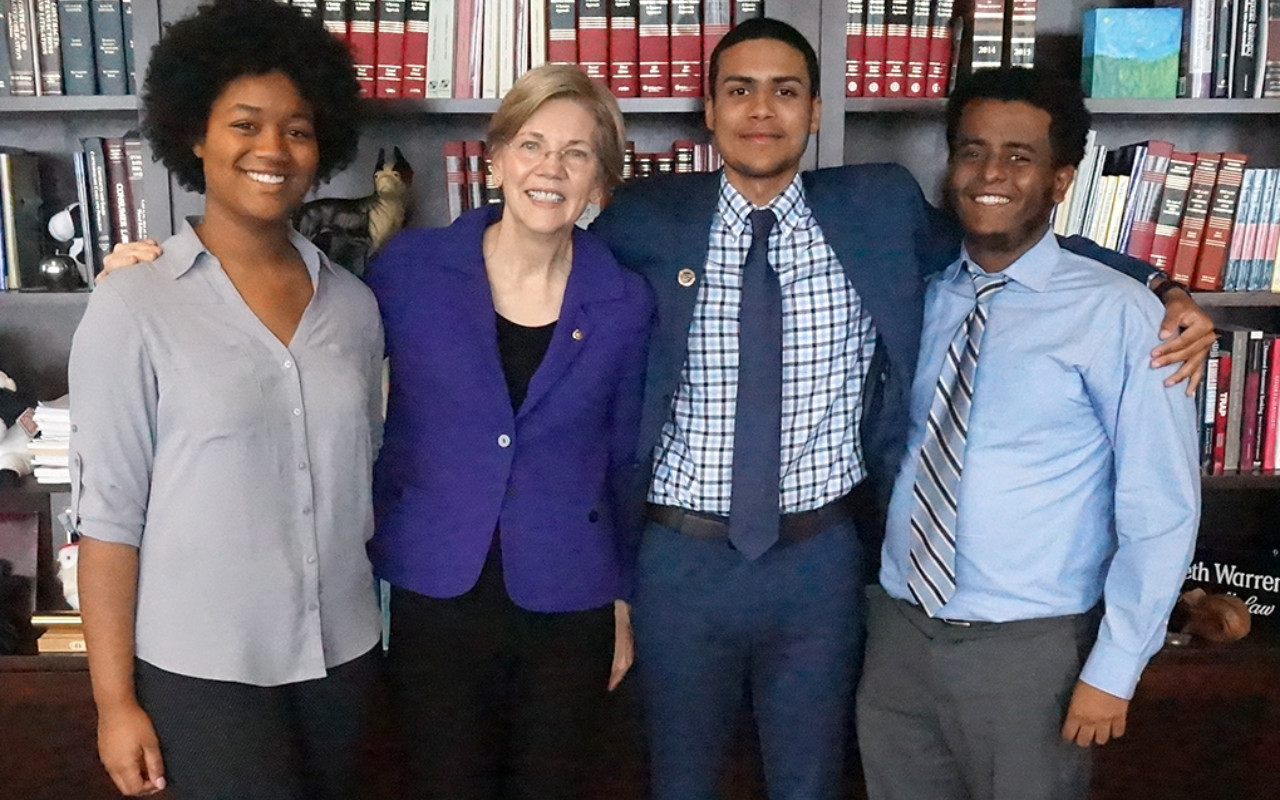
(789, 207)
(184, 250)
(1033, 269)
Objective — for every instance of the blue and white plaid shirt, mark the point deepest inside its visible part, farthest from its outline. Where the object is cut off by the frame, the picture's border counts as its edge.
(827, 342)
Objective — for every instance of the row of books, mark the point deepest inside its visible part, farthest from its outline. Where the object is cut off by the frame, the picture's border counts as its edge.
(1229, 48)
(898, 48)
(1184, 212)
(99, 186)
(1184, 48)
(469, 181)
(66, 47)
(1239, 402)
(477, 48)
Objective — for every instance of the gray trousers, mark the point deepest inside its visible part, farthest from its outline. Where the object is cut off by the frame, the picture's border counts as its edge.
(970, 713)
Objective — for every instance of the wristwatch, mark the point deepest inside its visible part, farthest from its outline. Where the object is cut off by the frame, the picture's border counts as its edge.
(1161, 284)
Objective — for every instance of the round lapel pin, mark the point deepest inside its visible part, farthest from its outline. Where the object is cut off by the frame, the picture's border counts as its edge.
(686, 277)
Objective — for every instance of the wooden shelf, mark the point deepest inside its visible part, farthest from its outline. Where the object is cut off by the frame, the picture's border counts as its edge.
(90, 103)
(1241, 481)
(1100, 106)
(629, 105)
(1236, 299)
(45, 662)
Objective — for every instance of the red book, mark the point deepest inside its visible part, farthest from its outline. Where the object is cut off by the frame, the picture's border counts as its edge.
(473, 170)
(1272, 427)
(897, 37)
(416, 30)
(686, 48)
(362, 39)
(683, 149)
(562, 31)
(715, 24)
(1217, 231)
(624, 48)
(390, 48)
(938, 70)
(655, 48)
(1172, 200)
(593, 39)
(918, 48)
(873, 51)
(120, 197)
(1220, 418)
(1147, 199)
(1191, 231)
(855, 45)
(454, 178)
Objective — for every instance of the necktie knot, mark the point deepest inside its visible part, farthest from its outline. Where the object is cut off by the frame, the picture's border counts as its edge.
(762, 222)
(986, 284)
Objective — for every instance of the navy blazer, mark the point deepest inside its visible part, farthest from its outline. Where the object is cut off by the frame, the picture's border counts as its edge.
(457, 462)
(887, 238)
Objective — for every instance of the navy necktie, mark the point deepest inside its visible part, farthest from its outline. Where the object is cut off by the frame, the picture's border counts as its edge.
(757, 422)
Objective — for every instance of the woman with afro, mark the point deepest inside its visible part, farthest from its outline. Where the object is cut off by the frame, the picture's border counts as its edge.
(226, 400)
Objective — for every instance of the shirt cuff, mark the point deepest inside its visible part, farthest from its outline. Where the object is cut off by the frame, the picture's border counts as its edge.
(1113, 670)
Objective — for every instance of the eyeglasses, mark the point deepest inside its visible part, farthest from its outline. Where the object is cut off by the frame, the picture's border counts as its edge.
(534, 151)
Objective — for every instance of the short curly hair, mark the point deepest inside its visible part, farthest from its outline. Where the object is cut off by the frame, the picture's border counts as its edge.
(226, 40)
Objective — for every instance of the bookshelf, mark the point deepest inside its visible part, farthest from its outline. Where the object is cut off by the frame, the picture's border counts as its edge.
(36, 328)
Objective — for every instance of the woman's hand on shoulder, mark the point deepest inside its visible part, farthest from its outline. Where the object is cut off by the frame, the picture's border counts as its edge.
(126, 254)
(130, 750)
(624, 648)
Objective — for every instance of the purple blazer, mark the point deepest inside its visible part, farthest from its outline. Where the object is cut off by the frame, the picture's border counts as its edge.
(456, 462)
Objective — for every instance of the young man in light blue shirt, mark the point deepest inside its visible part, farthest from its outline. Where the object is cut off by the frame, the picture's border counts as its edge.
(1049, 474)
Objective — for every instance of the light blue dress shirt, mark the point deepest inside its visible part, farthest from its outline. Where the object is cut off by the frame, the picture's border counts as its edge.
(1080, 475)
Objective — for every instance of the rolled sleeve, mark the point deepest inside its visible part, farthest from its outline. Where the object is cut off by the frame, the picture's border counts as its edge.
(113, 416)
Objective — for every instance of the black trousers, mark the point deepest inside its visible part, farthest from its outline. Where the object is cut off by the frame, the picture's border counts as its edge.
(495, 701)
(233, 741)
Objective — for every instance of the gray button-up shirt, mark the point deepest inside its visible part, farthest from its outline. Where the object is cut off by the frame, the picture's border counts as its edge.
(238, 466)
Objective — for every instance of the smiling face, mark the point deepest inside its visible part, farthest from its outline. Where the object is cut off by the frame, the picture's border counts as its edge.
(549, 170)
(1001, 180)
(762, 112)
(259, 151)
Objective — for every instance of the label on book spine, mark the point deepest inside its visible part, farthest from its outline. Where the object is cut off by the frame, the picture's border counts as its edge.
(1222, 211)
(938, 71)
(388, 76)
(417, 29)
(593, 39)
(855, 46)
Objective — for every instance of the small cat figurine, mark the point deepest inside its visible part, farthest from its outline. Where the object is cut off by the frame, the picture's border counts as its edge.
(350, 230)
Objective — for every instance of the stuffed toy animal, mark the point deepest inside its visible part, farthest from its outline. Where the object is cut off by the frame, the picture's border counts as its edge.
(68, 557)
(350, 230)
(15, 461)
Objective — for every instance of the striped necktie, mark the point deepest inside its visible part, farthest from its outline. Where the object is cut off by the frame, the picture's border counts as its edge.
(932, 577)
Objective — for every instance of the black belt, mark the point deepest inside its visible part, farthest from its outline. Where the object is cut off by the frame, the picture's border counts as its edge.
(794, 528)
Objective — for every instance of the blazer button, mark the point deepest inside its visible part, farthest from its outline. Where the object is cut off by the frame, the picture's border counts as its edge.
(577, 334)
(593, 516)
(686, 277)
(504, 441)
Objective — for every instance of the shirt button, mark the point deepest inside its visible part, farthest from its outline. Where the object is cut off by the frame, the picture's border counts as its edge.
(504, 441)
(287, 364)
(313, 607)
(297, 412)
(311, 559)
(302, 465)
(306, 510)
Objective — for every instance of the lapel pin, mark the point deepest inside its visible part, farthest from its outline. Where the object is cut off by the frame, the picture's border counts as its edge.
(686, 277)
(577, 334)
